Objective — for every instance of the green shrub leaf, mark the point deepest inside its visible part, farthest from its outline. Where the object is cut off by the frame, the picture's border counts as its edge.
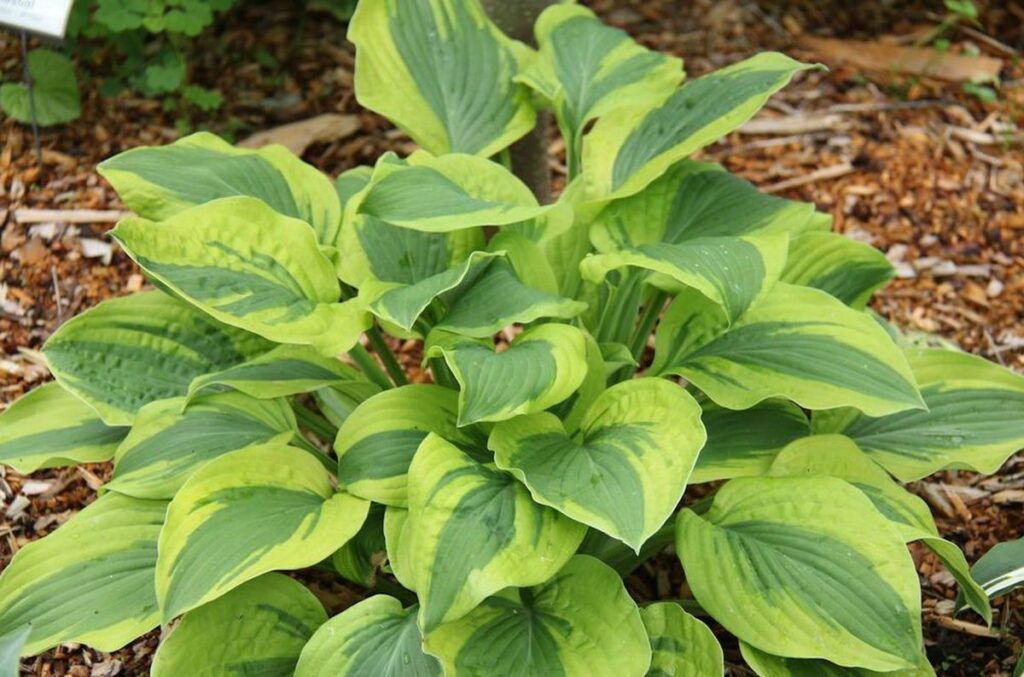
(541, 367)
(130, 351)
(374, 637)
(626, 469)
(806, 568)
(680, 644)
(259, 628)
(797, 342)
(849, 270)
(250, 267)
(587, 69)
(379, 439)
(413, 63)
(55, 91)
(579, 622)
(172, 439)
(11, 647)
(247, 513)
(838, 456)
(285, 370)
(744, 443)
(628, 149)
(973, 418)
(472, 531)
(90, 581)
(160, 182)
(50, 427)
(1001, 569)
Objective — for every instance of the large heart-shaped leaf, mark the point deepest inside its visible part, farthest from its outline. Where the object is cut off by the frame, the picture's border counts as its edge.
(91, 581)
(587, 69)
(973, 418)
(580, 622)
(696, 200)
(250, 267)
(413, 63)
(838, 456)
(171, 439)
(805, 568)
(845, 268)
(159, 182)
(541, 367)
(374, 637)
(472, 531)
(680, 644)
(247, 513)
(127, 352)
(626, 469)
(744, 443)
(628, 149)
(797, 342)
(285, 370)
(54, 95)
(259, 628)
(378, 440)
(50, 427)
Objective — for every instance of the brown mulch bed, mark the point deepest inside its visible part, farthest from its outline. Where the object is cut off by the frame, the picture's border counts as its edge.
(910, 176)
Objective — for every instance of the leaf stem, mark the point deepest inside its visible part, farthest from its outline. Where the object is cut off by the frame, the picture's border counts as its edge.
(364, 360)
(647, 321)
(314, 422)
(312, 449)
(386, 355)
(388, 587)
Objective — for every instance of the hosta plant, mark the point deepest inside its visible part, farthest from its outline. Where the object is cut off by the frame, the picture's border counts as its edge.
(491, 510)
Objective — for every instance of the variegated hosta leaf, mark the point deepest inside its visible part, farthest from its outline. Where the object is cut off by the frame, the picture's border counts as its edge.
(250, 267)
(572, 411)
(541, 367)
(499, 298)
(374, 637)
(351, 182)
(472, 531)
(285, 370)
(628, 149)
(766, 665)
(159, 182)
(130, 351)
(581, 622)
(247, 513)
(259, 628)
(359, 559)
(798, 343)
(587, 69)
(1001, 569)
(680, 644)
(91, 581)
(444, 194)
(973, 418)
(734, 272)
(50, 427)
(744, 443)
(805, 568)
(415, 62)
(11, 647)
(172, 439)
(378, 440)
(845, 268)
(626, 469)
(697, 200)
(838, 456)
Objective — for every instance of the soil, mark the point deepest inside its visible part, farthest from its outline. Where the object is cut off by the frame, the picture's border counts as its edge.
(905, 163)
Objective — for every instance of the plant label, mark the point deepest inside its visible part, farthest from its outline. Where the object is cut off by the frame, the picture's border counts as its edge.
(45, 17)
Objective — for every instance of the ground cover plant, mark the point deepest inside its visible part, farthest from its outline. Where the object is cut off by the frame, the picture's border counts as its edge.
(511, 494)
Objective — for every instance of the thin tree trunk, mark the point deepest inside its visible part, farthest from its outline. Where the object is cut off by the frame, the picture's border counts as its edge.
(530, 154)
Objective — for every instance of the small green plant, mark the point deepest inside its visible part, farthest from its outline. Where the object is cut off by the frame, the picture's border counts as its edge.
(492, 513)
(54, 92)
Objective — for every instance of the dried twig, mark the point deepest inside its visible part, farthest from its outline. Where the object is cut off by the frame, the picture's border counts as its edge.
(28, 215)
(825, 173)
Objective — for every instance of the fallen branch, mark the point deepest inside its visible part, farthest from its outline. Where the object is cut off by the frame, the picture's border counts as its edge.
(921, 61)
(69, 215)
(795, 124)
(823, 174)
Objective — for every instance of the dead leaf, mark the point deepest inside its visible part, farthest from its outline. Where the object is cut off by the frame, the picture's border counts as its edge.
(298, 136)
